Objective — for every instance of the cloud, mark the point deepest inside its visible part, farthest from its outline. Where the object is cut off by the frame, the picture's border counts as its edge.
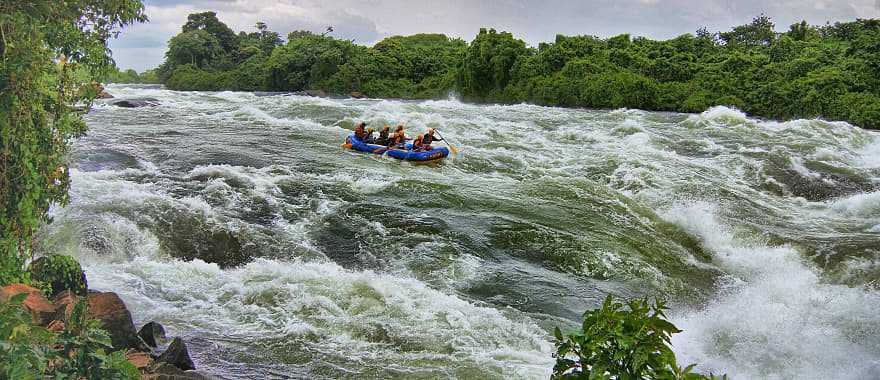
(368, 21)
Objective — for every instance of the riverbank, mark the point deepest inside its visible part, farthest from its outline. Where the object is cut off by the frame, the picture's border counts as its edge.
(78, 319)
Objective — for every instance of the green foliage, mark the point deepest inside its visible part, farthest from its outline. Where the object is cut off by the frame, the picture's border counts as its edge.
(44, 45)
(616, 343)
(208, 22)
(131, 76)
(81, 350)
(24, 348)
(307, 59)
(806, 72)
(196, 47)
(759, 32)
(59, 272)
(486, 67)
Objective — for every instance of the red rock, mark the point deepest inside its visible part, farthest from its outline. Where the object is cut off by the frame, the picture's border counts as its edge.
(40, 308)
(141, 360)
(115, 318)
(64, 304)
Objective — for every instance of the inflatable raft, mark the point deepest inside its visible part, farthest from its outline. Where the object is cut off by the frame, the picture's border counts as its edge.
(437, 154)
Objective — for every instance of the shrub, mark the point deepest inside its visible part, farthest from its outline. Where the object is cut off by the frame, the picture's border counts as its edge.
(80, 351)
(621, 344)
(59, 272)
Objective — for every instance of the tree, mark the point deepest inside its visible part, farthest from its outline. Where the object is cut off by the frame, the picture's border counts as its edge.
(802, 31)
(487, 64)
(757, 33)
(43, 44)
(196, 47)
(208, 22)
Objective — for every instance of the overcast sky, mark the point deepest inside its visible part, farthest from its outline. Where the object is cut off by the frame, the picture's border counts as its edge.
(367, 21)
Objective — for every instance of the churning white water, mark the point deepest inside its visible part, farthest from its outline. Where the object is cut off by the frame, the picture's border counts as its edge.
(236, 220)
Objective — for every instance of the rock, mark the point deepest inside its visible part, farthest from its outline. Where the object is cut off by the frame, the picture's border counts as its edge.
(136, 103)
(141, 360)
(153, 334)
(104, 95)
(357, 95)
(40, 308)
(165, 371)
(115, 318)
(64, 304)
(61, 272)
(318, 93)
(177, 355)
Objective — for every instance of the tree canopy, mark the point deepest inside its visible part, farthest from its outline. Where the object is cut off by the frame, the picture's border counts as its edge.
(808, 71)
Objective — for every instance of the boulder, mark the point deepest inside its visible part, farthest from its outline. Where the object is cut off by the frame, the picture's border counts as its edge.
(177, 355)
(115, 318)
(357, 95)
(40, 308)
(141, 360)
(165, 371)
(318, 93)
(61, 272)
(136, 103)
(64, 304)
(153, 334)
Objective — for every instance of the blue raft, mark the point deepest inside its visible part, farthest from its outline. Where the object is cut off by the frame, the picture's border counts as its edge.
(434, 155)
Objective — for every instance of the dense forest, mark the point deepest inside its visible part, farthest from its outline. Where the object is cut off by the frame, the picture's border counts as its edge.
(830, 71)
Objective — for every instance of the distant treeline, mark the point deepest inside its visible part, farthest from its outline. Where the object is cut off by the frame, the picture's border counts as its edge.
(830, 71)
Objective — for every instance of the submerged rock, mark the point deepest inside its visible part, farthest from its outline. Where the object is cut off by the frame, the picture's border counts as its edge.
(61, 272)
(318, 93)
(177, 355)
(153, 334)
(40, 308)
(115, 318)
(136, 103)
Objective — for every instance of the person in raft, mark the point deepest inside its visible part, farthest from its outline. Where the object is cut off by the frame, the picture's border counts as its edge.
(428, 138)
(383, 136)
(398, 138)
(417, 144)
(370, 139)
(359, 131)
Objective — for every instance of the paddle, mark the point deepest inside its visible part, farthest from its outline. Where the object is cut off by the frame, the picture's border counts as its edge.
(452, 148)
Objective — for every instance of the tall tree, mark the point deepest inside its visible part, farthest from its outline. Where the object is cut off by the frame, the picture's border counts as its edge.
(486, 69)
(196, 47)
(208, 22)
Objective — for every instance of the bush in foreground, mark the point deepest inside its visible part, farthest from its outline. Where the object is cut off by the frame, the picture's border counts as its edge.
(81, 350)
(615, 343)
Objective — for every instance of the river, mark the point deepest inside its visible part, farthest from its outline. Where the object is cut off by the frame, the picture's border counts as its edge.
(238, 222)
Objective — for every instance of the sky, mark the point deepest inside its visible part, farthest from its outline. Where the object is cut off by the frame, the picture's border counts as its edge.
(143, 46)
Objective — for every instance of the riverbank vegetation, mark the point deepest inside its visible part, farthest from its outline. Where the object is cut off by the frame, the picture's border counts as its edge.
(618, 341)
(51, 53)
(808, 71)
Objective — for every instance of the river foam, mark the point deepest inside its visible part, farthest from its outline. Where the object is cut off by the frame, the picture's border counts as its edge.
(775, 318)
(363, 266)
